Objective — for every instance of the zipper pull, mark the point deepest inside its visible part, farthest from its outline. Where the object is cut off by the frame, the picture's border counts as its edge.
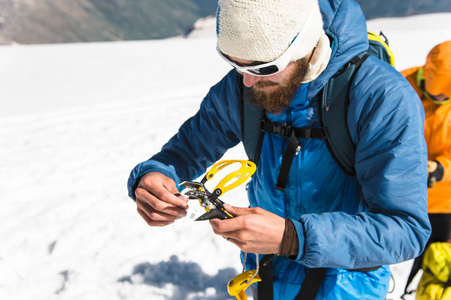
(298, 148)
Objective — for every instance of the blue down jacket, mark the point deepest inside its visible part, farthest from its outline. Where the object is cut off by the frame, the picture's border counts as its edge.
(378, 217)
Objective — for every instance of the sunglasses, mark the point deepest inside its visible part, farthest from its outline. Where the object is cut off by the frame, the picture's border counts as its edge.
(440, 97)
(269, 68)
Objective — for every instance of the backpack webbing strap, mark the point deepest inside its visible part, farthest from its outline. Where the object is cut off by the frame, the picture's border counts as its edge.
(311, 284)
(265, 287)
(285, 130)
(287, 159)
(294, 134)
(309, 288)
(333, 106)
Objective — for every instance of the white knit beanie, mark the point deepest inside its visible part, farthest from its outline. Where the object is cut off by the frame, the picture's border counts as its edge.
(261, 30)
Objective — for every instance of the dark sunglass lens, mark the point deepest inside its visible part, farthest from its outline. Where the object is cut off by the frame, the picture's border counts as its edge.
(266, 70)
(440, 97)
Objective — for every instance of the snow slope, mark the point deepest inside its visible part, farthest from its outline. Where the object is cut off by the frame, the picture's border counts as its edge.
(74, 120)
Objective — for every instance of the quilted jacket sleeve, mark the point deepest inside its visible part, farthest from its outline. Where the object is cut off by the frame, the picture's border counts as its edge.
(202, 139)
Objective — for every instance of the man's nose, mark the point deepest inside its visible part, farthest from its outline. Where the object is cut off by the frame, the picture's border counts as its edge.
(249, 80)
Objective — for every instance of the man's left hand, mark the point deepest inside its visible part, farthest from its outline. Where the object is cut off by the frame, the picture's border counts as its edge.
(253, 230)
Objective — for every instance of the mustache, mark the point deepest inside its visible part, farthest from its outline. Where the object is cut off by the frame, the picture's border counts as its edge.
(262, 84)
(277, 100)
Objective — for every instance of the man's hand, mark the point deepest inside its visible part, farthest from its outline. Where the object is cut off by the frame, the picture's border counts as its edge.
(158, 201)
(253, 230)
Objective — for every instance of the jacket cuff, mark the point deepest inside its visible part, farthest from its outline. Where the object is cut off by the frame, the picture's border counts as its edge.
(289, 245)
(147, 167)
(301, 240)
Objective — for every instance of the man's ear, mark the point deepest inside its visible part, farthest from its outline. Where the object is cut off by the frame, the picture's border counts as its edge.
(319, 60)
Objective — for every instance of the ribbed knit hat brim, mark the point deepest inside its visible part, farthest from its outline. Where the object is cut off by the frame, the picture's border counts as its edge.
(262, 30)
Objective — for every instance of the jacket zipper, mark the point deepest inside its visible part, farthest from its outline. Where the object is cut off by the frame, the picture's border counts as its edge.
(431, 127)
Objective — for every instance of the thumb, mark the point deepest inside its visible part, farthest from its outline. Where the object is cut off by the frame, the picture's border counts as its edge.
(235, 211)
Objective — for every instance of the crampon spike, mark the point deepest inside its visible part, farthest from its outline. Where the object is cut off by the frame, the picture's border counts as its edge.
(214, 214)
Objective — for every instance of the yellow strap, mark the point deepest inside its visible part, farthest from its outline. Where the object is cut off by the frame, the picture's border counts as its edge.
(238, 284)
(233, 179)
(375, 37)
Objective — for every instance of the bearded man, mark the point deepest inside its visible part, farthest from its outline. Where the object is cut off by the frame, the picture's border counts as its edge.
(352, 226)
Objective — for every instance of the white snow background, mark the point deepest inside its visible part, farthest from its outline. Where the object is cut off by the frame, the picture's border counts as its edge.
(75, 119)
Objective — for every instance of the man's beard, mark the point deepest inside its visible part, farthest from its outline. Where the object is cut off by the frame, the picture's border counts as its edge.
(278, 100)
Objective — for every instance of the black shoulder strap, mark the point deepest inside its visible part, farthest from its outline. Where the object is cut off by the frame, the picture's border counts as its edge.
(309, 288)
(265, 290)
(333, 105)
(312, 283)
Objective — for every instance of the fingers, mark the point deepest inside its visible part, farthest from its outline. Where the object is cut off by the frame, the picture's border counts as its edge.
(152, 222)
(236, 223)
(234, 237)
(234, 211)
(238, 226)
(232, 229)
(240, 211)
(163, 188)
(223, 227)
(163, 204)
(240, 238)
(234, 241)
(158, 201)
(158, 210)
(253, 230)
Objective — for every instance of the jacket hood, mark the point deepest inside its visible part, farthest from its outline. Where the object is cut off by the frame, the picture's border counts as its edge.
(437, 70)
(345, 25)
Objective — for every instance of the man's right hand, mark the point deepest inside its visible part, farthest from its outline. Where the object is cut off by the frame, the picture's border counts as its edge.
(158, 200)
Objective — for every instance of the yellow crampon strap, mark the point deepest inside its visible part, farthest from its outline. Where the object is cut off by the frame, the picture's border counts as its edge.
(233, 179)
(238, 284)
